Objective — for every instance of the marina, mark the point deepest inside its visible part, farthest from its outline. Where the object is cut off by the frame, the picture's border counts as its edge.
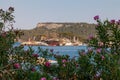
(62, 50)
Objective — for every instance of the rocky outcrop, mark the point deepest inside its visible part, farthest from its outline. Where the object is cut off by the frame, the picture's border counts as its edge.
(49, 25)
(72, 31)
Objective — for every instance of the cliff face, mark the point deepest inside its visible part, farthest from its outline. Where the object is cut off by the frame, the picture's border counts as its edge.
(49, 25)
(60, 30)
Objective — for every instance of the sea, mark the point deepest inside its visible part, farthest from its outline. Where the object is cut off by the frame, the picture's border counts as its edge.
(61, 50)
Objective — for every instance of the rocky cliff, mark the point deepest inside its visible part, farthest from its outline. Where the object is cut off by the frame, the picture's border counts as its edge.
(58, 30)
(49, 25)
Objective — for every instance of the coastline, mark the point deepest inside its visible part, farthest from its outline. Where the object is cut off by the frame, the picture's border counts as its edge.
(39, 43)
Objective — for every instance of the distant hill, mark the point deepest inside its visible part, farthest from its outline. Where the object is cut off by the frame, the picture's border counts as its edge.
(60, 30)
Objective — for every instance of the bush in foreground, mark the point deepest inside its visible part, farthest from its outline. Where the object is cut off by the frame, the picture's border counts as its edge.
(101, 61)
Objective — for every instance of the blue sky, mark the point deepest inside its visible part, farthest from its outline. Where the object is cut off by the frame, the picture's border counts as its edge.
(30, 12)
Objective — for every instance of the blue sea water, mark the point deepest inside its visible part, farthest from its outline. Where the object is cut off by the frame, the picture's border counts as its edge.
(62, 50)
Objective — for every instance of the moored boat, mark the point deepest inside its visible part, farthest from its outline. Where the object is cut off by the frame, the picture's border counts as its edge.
(34, 43)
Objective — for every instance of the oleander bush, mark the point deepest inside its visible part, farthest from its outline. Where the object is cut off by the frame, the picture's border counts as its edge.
(100, 62)
(15, 63)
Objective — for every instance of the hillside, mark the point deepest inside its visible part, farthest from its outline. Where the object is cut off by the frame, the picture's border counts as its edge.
(59, 30)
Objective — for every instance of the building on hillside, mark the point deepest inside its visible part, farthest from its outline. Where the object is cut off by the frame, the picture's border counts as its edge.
(52, 42)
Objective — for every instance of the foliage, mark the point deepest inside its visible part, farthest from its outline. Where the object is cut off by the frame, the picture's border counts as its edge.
(101, 61)
(14, 61)
(68, 30)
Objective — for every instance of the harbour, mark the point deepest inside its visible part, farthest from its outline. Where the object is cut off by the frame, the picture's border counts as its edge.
(62, 50)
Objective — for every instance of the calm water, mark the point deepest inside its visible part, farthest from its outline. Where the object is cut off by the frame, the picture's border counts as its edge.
(62, 50)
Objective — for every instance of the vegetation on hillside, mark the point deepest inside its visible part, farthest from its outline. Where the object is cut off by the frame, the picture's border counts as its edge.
(81, 30)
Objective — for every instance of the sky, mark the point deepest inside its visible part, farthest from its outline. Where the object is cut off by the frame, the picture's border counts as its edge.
(30, 12)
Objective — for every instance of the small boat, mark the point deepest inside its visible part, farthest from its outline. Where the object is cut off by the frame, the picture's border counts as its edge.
(68, 44)
(34, 43)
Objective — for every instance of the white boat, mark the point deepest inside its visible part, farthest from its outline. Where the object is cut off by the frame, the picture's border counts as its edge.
(34, 43)
(68, 44)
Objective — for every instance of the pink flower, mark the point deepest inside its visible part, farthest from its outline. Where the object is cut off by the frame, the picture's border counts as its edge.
(100, 44)
(77, 65)
(96, 17)
(33, 69)
(97, 25)
(17, 65)
(47, 64)
(102, 57)
(55, 78)
(3, 34)
(118, 22)
(11, 9)
(64, 65)
(112, 21)
(51, 50)
(97, 75)
(90, 50)
(35, 55)
(83, 53)
(43, 78)
(90, 37)
(98, 50)
(64, 60)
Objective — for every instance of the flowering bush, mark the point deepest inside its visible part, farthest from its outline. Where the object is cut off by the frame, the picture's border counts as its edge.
(15, 63)
(101, 61)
